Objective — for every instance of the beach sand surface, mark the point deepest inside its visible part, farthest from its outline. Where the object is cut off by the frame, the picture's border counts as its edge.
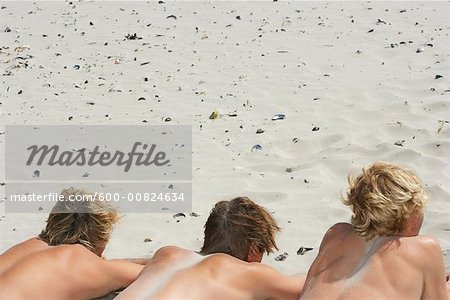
(358, 82)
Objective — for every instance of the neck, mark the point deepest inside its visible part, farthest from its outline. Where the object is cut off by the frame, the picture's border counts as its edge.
(412, 225)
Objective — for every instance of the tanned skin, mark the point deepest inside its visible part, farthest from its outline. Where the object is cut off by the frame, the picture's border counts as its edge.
(405, 266)
(34, 270)
(176, 273)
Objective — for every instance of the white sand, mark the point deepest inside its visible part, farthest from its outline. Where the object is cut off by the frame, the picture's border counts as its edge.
(315, 62)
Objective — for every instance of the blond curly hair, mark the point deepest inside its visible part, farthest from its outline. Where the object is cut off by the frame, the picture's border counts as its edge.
(382, 198)
(88, 222)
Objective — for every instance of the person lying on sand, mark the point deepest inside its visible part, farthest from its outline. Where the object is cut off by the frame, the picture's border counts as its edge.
(64, 261)
(237, 233)
(380, 254)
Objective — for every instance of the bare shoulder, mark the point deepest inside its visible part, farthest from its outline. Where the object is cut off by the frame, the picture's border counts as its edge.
(344, 228)
(425, 253)
(422, 246)
(233, 265)
(73, 252)
(168, 252)
(225, 265)
(421, 242)
(170, 258)
(20, 252)
(25, 248)
(337, 232)
(220, 259)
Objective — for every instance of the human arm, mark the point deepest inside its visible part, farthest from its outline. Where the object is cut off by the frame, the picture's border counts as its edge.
(139, 261)
(96, 277)
(271, 284)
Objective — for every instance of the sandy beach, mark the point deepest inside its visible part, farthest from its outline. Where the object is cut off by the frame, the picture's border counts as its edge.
(357, 82)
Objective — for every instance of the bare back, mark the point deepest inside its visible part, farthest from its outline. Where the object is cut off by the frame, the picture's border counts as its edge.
(34, 270)
(183, 274)
(348, 267)
(166, 262)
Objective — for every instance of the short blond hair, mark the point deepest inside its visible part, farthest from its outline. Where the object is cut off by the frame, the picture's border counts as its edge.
(88, 222)
(382, 198)
(234, 226)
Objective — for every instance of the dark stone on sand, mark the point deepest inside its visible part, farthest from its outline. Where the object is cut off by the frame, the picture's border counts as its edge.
(256, 147)
(133, 37)
(282, 257)
(178, 216)
(399, 143)
(302, 250)
(278, 117)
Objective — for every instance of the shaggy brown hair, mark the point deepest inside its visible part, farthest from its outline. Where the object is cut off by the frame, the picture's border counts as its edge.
(382, 198)
(88, 222)
(234, 226)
